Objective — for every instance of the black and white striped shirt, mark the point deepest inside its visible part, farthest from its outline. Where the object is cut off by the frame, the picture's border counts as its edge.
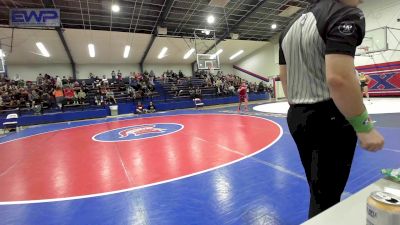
(329, 27)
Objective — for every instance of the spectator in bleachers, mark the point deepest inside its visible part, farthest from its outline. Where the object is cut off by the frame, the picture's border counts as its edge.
(152, 76)
(58, 82)
(97, 82)
(103, 90)
(113, 76)
(179, 81)
(76, 86)
(139, 94)
(13, 103)
(261, 87)
(110, 97)
(218, 90)
(46, 100)
(165, 78)
(130, 91)
(198, 93)
(231, 89)
(104, 81)
(189, 82)
(34, 98)
(71, 80)
(192, 92)
(69, 94)
(209, 82)
(39, 79)
(143, 86)
(151, 108)
(174, 88)
(65, 81)
(81, 96)
(138, 77)
(119, 75)
(84, 86)
(131, 78)
(59, 96)
(99, 99)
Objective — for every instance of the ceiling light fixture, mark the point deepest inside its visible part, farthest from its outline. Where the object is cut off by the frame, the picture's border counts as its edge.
(126, 51)
(42, 49)
(92, 52)
(274, 26)
(214, 56)
(210, 19)
(115, 8)
(236, 54)
(189, 53)
(162, 53)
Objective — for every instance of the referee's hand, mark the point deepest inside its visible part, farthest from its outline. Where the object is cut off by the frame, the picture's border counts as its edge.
(372, 141)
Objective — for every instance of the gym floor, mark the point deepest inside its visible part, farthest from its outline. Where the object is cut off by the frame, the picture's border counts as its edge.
(207, 166)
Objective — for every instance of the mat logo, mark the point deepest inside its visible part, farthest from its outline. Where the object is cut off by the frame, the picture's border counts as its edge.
(138, 132)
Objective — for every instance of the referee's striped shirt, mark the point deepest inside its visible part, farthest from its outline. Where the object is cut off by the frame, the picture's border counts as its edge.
(329, 27)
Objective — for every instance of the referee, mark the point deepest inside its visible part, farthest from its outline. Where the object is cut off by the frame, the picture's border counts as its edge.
(326, 114)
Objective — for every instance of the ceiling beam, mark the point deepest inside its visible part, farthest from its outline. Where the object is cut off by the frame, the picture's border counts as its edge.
(50, 4)
(64, 42)
(161, 22)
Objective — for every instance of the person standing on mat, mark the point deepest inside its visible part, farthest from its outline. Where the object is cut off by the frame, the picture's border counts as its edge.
(243, 97)
(326, 114)
(364, 81)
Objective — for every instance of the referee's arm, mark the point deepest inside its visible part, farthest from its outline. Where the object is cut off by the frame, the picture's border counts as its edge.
(342, 38)
(283, 77)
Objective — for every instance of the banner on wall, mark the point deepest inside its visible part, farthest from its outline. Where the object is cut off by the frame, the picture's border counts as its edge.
(45, 17)
(385, 78)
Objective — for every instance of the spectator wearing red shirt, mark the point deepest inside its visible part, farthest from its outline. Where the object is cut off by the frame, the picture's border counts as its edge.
(69, 94)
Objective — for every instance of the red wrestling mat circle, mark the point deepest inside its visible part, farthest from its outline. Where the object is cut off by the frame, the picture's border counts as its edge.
(127, 154)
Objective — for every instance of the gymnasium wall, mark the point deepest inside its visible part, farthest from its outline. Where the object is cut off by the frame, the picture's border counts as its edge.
(262, 62)
(380, 14)
(159, 69)
(105, 69)
(30, 72)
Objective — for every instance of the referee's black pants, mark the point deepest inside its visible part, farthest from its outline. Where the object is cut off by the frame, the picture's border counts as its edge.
(326, 144)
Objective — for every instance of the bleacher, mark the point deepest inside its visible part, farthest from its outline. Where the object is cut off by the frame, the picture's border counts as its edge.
(206, 92)
(118, 88)
(163, 97)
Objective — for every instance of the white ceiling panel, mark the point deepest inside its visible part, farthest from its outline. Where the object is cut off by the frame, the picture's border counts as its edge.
(109, 46)
(20, 47)
(177, 47)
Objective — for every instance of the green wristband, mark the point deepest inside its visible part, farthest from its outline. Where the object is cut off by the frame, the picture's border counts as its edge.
(361, 123)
